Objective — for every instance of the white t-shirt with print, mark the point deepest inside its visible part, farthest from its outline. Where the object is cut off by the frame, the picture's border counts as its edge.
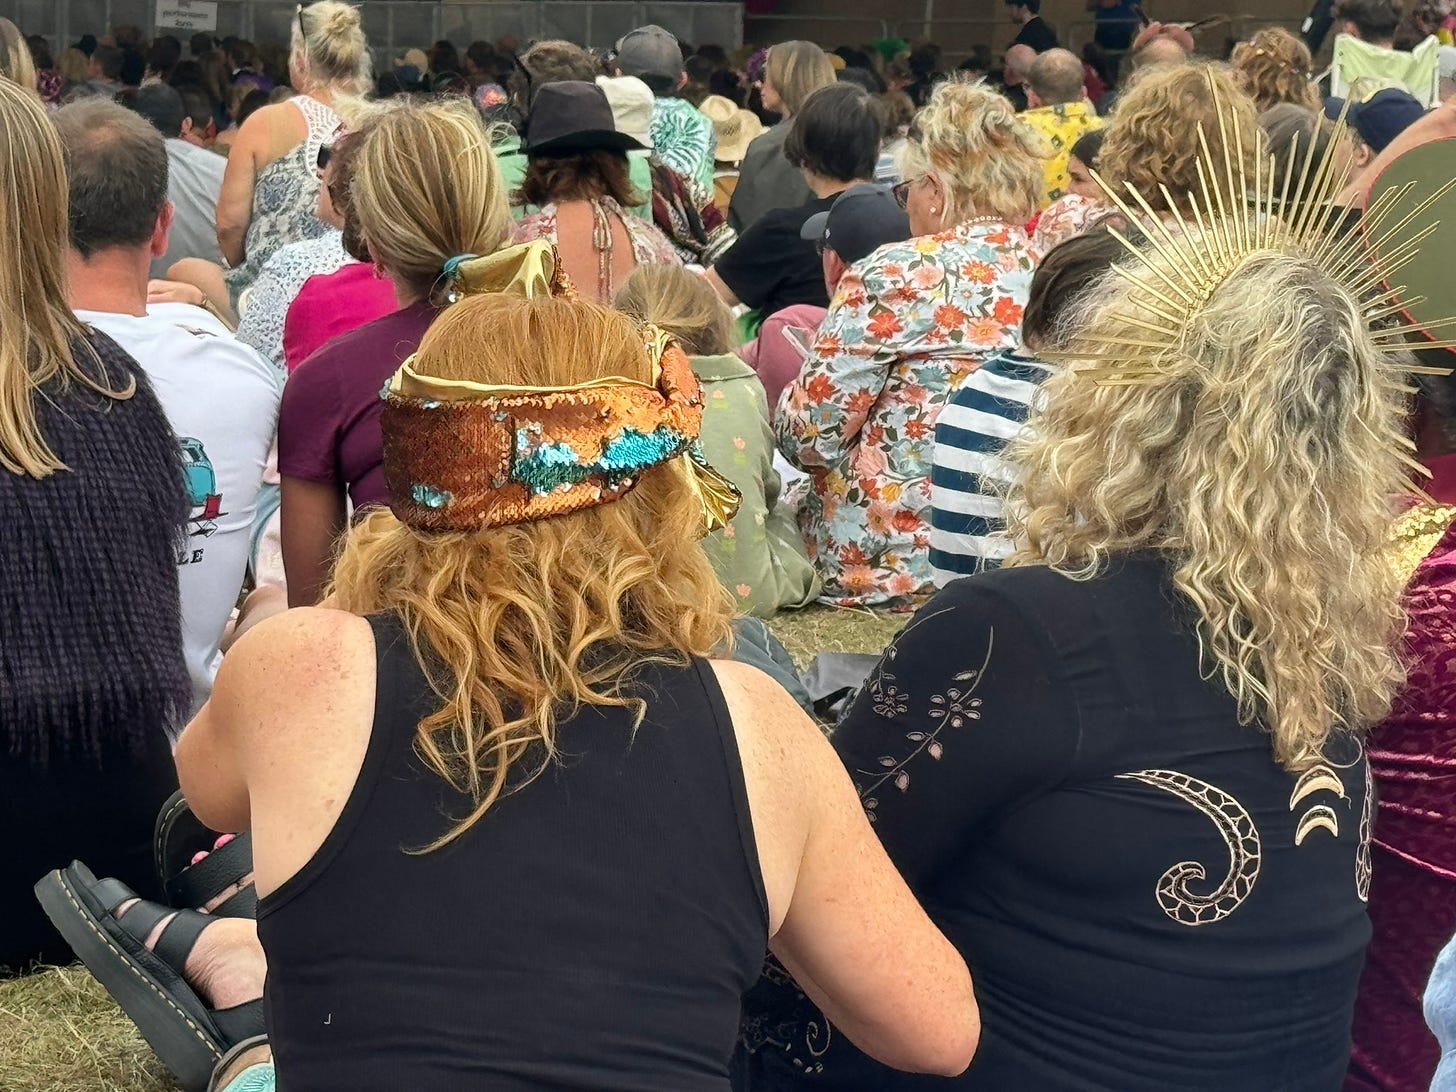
(221, 398)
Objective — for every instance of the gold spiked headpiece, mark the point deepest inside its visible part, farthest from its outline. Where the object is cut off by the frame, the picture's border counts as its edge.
(1184, 257)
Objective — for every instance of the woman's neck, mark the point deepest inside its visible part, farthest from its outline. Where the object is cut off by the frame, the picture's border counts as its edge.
(823, 187)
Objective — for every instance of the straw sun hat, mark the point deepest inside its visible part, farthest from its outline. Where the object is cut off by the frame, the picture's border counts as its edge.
(734, 126)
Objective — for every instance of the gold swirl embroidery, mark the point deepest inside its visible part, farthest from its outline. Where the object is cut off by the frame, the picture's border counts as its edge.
(1362, 855)
(1239, 835)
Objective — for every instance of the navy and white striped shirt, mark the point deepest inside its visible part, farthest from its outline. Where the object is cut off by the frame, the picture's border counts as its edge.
(966, 526)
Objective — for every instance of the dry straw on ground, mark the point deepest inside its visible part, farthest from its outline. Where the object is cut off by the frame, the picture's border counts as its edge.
(60, 1032)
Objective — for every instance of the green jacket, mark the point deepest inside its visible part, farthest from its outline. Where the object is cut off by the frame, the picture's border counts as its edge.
(512, 162)
(760, 557)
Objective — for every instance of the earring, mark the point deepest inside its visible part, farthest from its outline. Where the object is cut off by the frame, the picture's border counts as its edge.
(934, 209)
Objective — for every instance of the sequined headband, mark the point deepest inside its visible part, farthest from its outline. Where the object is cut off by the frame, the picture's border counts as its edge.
(462, 456)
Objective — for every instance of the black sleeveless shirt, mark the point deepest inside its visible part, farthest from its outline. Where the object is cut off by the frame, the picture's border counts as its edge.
(595, 929)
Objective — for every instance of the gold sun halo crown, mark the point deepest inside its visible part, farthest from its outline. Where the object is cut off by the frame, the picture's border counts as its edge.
(1232, 217)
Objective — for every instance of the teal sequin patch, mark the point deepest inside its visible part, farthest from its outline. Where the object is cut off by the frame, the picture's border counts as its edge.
(546, 466)
(429, 496)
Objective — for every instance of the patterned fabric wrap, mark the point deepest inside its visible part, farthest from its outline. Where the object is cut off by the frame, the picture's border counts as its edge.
(461, 457)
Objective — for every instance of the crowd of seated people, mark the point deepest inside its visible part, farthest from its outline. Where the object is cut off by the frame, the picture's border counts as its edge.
(400, 468)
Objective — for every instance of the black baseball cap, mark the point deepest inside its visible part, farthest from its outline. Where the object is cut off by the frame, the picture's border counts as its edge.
(862, 219)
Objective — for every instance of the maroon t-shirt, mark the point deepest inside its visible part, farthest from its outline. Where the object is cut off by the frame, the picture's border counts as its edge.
(328, 426)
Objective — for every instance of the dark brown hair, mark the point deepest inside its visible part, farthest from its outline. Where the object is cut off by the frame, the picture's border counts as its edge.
(579, 177)
(1067, 271)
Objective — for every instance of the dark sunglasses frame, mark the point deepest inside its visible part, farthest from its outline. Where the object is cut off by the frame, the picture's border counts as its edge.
(900, 191)
(325, 153)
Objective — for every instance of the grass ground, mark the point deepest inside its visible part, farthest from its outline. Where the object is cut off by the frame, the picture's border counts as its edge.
(60, 1032)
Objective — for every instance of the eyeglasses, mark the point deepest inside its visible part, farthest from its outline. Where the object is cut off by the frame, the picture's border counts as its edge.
(302, 30)
(900, 191)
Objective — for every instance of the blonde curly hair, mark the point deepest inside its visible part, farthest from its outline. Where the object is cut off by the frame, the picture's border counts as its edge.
(1151, 139)
(1259, 458)
(519, 626)
(1273, 67)
(987, 161)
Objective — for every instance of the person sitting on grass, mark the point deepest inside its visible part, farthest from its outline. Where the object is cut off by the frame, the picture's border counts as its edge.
(555, 838)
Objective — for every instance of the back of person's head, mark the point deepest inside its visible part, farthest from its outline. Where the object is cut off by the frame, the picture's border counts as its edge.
(162, 106)
(252, 100)
(38, 328)
(653, 55)
(40, 51)
(450, 202)
(127, 35)
(197, 108)
(1068, 271)
(444, 57)
(1289, 132)
(836, 134)
(340, 181)
(1273, 67)
(110, 60)
(164, 54)
(133, 67)
(682, 303)
(861, 77)
(16, 62)
(73, 66)
(329, 46)
(551, 61)
(1224, 454)
(1056, 76)
(1018, 61)
(1088, 148)
(522, 623)
(796, 70)
(1371, 20)
(1158, 52)
(201, 44)
(116, 174)
(988, 163)
(926, 60)
(1152, 139)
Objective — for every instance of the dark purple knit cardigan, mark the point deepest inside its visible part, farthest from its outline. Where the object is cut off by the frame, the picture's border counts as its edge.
(90, 623)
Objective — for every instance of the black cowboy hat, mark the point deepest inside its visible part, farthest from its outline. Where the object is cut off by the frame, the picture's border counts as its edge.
(573, 116)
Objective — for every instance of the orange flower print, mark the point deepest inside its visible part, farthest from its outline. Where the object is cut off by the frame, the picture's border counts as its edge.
(893, 271)
(903, 294)
(884, 325)
(744, 591)
(855, 297)
(948, 315)
(827, 345)
(979, 272)
(857, 578)
(879, 518)
(851, 554)
(1008, 311)
(860, 402)
(985, 331)
(916, 428)
(901, 584)
(927, 277)
(821, 389)
(907, 523)
(739, 442)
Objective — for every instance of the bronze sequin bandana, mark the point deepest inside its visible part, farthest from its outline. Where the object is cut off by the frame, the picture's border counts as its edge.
(461, 456)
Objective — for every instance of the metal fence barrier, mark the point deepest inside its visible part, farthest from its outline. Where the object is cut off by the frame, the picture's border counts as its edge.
(392, 25)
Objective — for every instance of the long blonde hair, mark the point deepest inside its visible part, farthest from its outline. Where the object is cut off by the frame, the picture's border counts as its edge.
(1152, 139)
(427, 187)
(797, 70)
(1260, 458)
(16, 63)
(988, 162)
(328, 43)
(520, 626)
(38, 330)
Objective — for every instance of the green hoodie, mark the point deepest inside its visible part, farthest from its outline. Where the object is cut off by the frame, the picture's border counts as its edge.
(760, 557)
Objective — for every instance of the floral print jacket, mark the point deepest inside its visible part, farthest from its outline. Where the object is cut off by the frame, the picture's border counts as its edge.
(906, 326)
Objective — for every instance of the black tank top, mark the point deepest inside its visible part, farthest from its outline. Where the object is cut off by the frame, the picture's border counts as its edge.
(596, 929)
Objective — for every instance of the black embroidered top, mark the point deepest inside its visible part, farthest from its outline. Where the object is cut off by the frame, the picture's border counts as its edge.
(1145, 898)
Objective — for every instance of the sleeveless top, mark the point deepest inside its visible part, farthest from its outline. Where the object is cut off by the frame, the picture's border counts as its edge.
(595, 929)
(285, 196)
(92, 675)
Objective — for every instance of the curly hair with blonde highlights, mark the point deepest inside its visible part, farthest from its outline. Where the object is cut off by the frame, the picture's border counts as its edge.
(988, 162)
(1259, 456)
(1151, 143)
(519, 626)
(1273, 67)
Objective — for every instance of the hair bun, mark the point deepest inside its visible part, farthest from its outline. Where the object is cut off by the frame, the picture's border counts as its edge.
(342, 19)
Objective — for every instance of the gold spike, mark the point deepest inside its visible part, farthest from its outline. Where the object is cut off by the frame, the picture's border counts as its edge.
(1419, 467)
(1129, 275)
(1286, 220)
(1205, 233)
(1375, 244)
(1414, 327)
(1342, 249)
(1204, 177)
(1190, 276)
(1399, 307)
(1175, 253)
(1322, 189)
(1196, 249)
(1238, 225)
(1407, 345)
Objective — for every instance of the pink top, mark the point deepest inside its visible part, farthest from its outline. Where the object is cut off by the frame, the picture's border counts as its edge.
(331, 304)
(773, 356)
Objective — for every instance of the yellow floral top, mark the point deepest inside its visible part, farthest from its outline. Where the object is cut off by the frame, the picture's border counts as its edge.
(1062, 125)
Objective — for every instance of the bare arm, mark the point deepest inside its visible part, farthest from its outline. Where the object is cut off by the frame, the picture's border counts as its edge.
(312, 521)
(843, 921)
(235, 201)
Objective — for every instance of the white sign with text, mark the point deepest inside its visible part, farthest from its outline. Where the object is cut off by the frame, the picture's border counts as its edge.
(187, 14)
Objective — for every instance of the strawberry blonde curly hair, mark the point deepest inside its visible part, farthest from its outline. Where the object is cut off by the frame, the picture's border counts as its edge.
(1273, 67)
(1151, 143)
